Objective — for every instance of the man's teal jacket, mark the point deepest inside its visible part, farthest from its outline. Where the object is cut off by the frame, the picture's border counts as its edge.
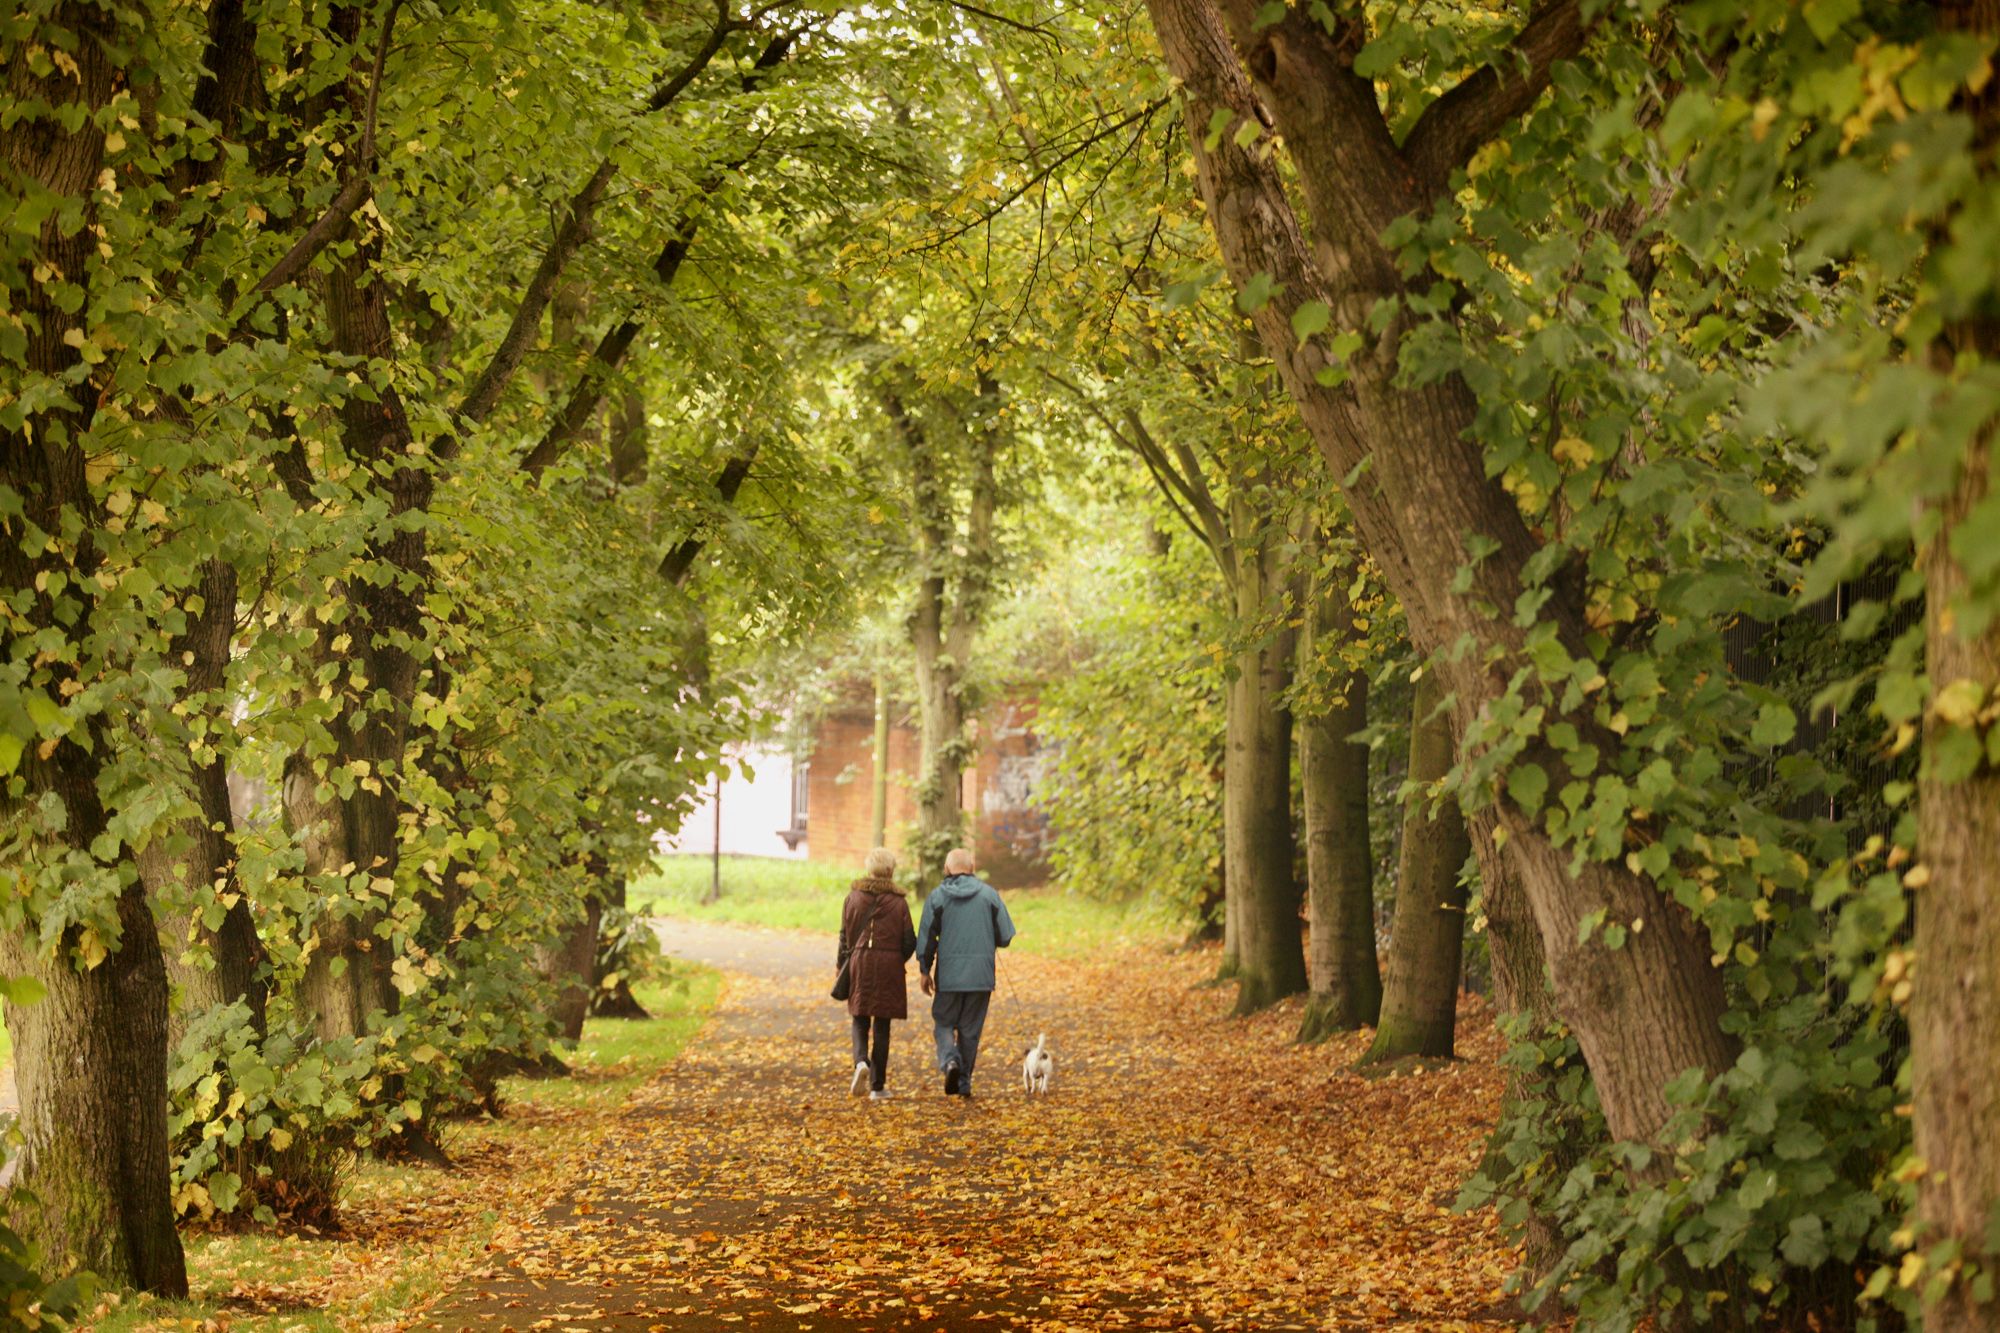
(964, 922)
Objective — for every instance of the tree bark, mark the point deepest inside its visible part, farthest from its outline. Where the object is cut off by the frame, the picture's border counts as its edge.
(1955, 987)
(1340, 867)
(617, 999)
(197, 869)
(91, 1071)
(1269, 949)
(1955, 999)
(941, 732)
(954, 588)
(91, 1057)
(569, 961)
(1420, 1002)
(1648, 1012)
(1521, 990)
(878, 810)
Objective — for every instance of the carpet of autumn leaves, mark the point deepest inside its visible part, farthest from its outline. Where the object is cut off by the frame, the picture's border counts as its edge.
(1189, 1170)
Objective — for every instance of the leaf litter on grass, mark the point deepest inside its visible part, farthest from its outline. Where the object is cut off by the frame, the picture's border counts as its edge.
(1190, 1170)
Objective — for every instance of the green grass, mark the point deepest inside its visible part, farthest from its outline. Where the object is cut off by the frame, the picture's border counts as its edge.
(806, 895)
(433, 1227)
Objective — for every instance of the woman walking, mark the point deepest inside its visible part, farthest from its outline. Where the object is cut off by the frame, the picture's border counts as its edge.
(876, 940)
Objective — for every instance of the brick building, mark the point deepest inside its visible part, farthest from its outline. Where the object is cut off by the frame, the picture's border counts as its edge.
(1009, 833)
(821, 805)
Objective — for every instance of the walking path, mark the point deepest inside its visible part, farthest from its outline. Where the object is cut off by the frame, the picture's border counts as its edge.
(1155, 1188)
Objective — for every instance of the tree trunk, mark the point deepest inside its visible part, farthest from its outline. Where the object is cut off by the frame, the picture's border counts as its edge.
(197, 871)
(617, 999)
(91, 1070)
(1270, 961)
(954, 588)
(568, 961)
(91, 1057)
(1645, 1013)
(878, 812)
(1955, 1000)
(1955, 996)
(941, 729)
(1230, 965)
(347, 979)
(1340, 867)
(1420, 1004)
(1521, 990)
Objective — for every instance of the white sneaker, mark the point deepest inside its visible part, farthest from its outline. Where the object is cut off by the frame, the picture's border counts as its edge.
(862, 1073)
(880, 1095)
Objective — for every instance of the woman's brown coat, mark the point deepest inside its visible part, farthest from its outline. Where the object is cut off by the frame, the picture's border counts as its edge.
(875, 926)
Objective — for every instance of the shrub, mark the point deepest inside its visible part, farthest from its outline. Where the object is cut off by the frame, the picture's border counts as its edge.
(264, 1127)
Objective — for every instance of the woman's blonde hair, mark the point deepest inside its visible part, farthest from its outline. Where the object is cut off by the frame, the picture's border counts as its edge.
(881, 863)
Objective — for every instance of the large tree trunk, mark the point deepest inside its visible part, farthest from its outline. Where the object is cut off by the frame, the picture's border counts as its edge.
(91, 1071)
(1955, 997)
(1521, 990)
(91, 1057)
(1645, 1013)
(1955, 1000)
(1270, 959)
(1420, 1004)
(1340, 867)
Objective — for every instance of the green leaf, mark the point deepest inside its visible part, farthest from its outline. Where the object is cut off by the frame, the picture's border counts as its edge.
(1269, 15)
(1218, 121)
(1256, 294)
(22, 991)
(1775, 725)
(1826, 17)
(1527, 786)
(1310, 318)
(1805, 1241)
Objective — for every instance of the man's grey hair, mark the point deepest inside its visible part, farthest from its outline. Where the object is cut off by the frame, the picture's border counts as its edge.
(958, 861)
(881, 863)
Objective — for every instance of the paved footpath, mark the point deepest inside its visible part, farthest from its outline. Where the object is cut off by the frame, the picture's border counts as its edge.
(748, 1189)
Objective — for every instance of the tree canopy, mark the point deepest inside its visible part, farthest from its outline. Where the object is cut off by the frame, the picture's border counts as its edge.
(1514, 478)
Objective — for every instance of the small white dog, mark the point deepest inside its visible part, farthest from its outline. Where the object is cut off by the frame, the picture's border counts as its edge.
(1039, 1069)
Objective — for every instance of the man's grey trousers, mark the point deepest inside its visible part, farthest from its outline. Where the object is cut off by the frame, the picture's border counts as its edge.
(960, 1016)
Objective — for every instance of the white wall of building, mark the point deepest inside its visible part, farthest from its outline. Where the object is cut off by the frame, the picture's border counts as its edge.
(756, 801)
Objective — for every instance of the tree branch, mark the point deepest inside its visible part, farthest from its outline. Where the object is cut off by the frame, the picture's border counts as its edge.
(1033, 30)
(1143, 114)
(575, 230)
(678, 562)
(612, 348)
(349, 197)
(604, 362)
(1454, 127)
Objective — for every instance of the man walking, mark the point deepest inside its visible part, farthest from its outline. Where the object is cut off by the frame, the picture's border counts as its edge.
(964, 922)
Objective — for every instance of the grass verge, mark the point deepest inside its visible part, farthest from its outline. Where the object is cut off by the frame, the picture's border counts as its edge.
(806, 895)
(412, 1231)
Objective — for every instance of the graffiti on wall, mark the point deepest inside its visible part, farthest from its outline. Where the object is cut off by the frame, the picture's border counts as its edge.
(1013, 823)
